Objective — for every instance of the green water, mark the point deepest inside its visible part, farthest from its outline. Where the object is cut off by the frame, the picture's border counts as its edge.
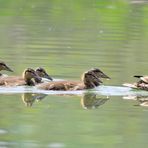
(68, 37)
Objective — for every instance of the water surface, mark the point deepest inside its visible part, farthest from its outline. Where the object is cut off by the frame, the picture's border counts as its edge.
(67, 38)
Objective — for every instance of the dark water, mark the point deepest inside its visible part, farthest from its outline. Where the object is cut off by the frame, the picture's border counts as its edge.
(67, 38)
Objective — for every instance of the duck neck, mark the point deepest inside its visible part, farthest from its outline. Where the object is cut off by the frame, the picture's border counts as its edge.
(37, 80)
(29, 82)
(89, 85)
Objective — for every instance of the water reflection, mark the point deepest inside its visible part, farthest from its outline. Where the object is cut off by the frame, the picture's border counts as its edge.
(91, 101)
(29, 98)
(138, 1)
(142, 100)
(88, 100)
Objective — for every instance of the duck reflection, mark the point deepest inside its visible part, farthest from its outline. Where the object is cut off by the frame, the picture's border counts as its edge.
(90, 101)
(29, 98)
(142, 100)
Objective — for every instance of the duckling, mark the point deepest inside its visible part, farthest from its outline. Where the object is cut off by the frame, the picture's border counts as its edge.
(90, 79)
(3, 66)
(26, 79)
(43, 74)
(140, 84)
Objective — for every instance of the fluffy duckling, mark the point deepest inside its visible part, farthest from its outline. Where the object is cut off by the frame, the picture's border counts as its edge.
(26, 79)
(3, 66)
(43, 74)
(90, 79)
(142, 83)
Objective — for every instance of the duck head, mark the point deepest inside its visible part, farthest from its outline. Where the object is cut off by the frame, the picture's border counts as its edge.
(3, 66)
(29, 74)
(90, 80)
(42, 73)
(99, 73)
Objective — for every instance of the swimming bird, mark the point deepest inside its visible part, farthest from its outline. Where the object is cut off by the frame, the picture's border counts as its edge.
(26, 79)
(43, 74)
(142, 83)
(89, 79)
(3, 66)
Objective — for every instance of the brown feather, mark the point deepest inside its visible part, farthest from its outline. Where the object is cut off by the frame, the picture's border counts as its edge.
(26, 79)
(89, 80)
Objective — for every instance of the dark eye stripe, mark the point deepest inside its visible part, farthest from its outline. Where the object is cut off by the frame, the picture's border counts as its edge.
(30, 70)
(40, 70)
(97, 70)
(3, 64)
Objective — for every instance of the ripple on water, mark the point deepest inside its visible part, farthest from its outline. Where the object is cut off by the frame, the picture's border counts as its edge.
(56, 145)
(5, 144)
(101, 90)
(3, 131)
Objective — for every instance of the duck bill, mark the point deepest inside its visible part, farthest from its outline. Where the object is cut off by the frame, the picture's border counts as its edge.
(8, 69)
(48, 77)
(102, 75)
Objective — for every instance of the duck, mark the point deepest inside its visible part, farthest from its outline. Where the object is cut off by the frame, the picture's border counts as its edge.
(26, 79)
(141, 84)
(4, 66)
(89, 79)
(41, 72)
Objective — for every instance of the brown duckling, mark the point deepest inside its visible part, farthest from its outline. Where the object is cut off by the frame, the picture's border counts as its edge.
(140, 84)
(90, 79)
(26, 79)
(43, 74)
(3, 66)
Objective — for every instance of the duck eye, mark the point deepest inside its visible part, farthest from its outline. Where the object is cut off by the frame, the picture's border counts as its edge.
(97, 70)
(39, 69)
(30, 71)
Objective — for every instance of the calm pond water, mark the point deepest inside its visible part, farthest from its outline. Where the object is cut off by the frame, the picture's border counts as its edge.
(67, 38)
